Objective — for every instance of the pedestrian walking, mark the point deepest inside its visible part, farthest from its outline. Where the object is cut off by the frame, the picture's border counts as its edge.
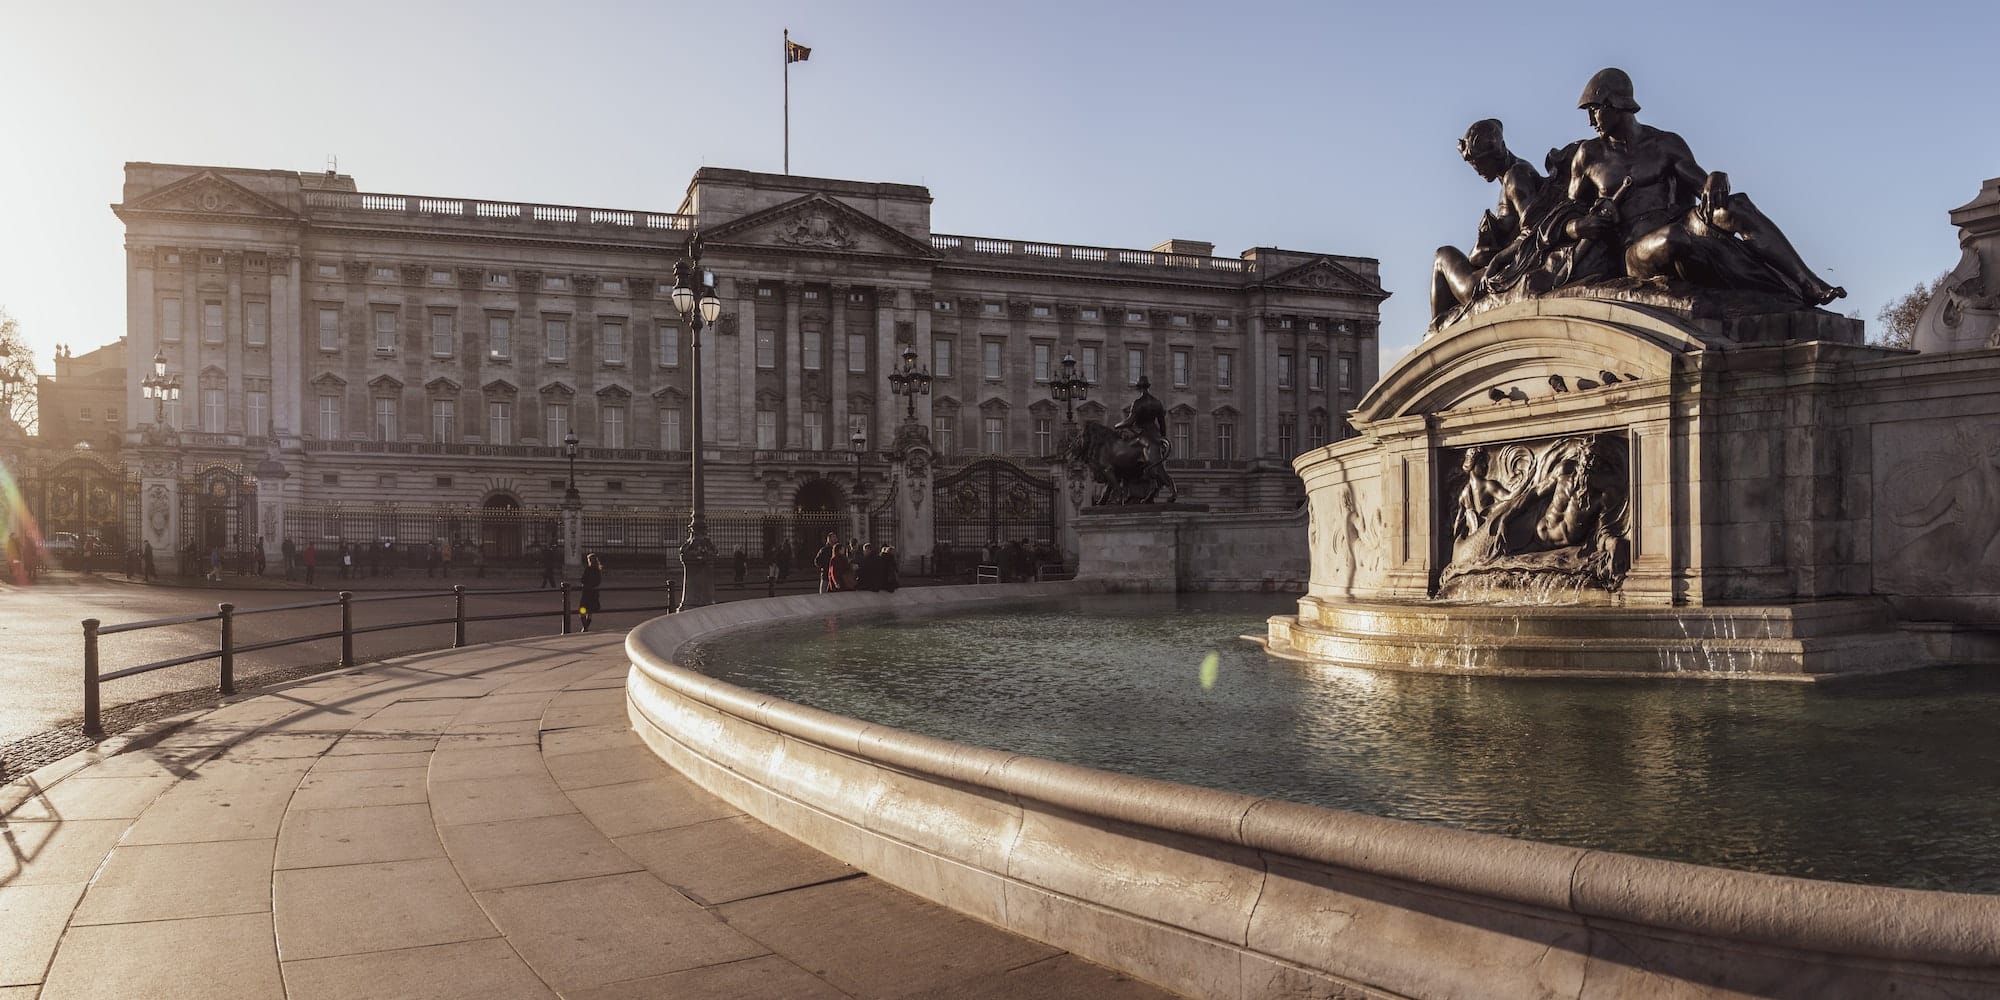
(888, 576)
(146, 560)
(593, 578)
(346, 561)
(290, 552)
(311, 560)
(742, 561)
(479, 561)
(548, 566)
(823, 563)
(215, 563)
(444, 558)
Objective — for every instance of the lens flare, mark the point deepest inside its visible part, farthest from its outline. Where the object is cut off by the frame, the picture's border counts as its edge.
(1211, 665)
(20, 539)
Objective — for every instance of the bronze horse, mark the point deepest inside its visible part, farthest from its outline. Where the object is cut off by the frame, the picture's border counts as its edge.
(1118, 461)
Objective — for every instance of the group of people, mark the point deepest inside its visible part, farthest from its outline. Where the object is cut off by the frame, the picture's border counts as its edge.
(855, 565)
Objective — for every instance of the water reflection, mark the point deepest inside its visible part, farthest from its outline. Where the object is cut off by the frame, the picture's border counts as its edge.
(1893, 782)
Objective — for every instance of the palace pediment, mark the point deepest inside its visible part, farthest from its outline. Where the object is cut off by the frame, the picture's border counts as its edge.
(1325, 276)
(208, 194)
(818, 224)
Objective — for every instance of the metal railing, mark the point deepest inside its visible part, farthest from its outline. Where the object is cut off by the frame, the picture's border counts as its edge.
(226, 615)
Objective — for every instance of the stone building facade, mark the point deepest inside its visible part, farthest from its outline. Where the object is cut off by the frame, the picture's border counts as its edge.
(84, 402)
(346, 347)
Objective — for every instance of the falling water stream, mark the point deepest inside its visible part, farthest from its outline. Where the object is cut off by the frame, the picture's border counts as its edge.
(1892, 781)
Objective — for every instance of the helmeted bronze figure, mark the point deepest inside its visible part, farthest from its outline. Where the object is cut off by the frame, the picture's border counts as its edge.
(1629, 208)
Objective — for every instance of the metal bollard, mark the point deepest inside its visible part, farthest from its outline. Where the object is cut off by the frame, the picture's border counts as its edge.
(346, 628)
(563, 592)
(228, 613)
(770, 586)
(92, 725)
(458, 627)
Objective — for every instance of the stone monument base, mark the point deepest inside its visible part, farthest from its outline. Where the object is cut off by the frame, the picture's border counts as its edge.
(1815, 641)
(1169, 548)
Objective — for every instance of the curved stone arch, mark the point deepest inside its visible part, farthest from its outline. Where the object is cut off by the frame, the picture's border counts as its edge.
(1526, 343)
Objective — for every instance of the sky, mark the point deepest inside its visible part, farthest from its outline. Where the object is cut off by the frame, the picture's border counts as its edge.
(1319, 126)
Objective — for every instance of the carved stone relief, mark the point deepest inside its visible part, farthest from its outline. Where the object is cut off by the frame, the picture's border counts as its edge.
(1939, 500)
(1542, 519)
(813, 226)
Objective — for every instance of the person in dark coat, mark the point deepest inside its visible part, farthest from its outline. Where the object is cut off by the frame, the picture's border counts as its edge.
(887, 575)
(549, 563)
(593, 578)
(742, 561)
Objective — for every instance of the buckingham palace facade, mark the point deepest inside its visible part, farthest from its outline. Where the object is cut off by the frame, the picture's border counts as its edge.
(339, 352)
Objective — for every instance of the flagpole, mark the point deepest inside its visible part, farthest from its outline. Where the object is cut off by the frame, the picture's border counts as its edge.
(786, 54)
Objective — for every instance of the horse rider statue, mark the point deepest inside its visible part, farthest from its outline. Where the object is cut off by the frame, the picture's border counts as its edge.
(1146, 423)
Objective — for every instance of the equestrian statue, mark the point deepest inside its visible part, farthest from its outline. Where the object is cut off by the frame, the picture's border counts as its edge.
(1130, 457)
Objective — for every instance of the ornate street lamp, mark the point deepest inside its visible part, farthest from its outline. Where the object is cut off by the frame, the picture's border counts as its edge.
(1069, 388)
(161, 388)
(694, 298)
(910, 381)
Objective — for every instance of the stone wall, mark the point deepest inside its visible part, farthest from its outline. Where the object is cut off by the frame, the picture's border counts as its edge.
(1218, 895)
(1184, 547)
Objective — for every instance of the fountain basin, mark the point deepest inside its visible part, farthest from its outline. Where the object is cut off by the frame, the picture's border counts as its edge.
(1805, 642)
(1218, 894)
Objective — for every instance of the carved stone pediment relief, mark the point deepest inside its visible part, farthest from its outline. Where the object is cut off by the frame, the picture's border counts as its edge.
(813, 226)
(208, 193)
(820, 223)
(1326, 276)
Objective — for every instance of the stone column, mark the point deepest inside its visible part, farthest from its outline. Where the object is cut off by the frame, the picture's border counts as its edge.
(835, 357)
(888, 354)
(288, 382)
(794, 299)
(160, 502)
(139, 320)
(920, 338)
(235, 421)
(746, 362)
(1073, 495)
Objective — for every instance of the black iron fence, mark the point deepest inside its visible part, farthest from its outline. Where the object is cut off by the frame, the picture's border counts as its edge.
(228, 649)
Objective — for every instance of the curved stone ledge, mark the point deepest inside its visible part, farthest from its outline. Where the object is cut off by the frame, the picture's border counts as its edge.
(1216, 894)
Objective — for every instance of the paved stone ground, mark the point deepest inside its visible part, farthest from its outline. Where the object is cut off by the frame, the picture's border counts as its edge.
(475, 823)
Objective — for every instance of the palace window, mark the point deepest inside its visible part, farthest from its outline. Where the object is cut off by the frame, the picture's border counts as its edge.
(1225, 439)
(1315, 372)
(1086, 365)
(555, 423)
(329, 329)
(1225, 365)
(990, 355)
(1181, 368)
(444, 421)
(1316, 429)
(329, 417)
(941, 358)
(995, 434)
(385, 419)
(1284, 371)
(1045, 435)
(815, 426)
(257, 412)
(941, 434)
(670, 427)
(1090, 313)
(499, 336)
(767, 348)
(1135, 364)
(611, 427)
(1287, 445)
(1043, 312)
(857, 354)
(991, 309)
(385, 331)
(809, 350)
(256, 323)
(1346, 373)
(170, 319)
(611, 342)
(1042, 355)
(443, 337)
(556, 333)
(499, 422)
(670, 343)
(1181, 438)
(1134, 316)
(767, 427)
(214, 412)
(211, 321)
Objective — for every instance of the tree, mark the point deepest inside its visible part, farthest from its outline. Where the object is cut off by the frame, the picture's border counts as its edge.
(1899, 318)
(17, 377)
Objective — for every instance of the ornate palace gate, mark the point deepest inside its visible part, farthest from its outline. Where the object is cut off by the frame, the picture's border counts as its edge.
(992, 501)
(90, 498)
(218, 511)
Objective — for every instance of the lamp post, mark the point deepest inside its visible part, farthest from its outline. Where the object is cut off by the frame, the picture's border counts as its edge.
(1069, 388)
(569, 449)
(910, 381)
(695, 299)
(161, 388)
(572, 512)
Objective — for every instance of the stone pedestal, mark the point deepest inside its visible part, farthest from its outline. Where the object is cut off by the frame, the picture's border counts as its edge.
(911, 473)
(271, 476)
(1142, 547)
(1073, 490)
(572, 523)
(160, 505)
